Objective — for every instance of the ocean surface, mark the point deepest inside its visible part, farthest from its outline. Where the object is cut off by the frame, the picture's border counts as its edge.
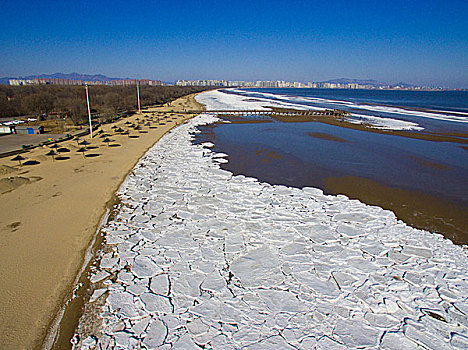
(434, 111)
(310, 153)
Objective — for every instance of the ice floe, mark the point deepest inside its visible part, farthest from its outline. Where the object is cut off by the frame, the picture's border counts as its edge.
(384, 123)
(199, 258)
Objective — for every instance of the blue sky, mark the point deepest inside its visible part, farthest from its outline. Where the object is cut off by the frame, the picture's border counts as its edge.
(422, 42)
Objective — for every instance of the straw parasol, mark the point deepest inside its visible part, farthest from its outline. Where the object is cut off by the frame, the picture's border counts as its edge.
(18, 158)
(52, 154)
(82, 150)
(63, 150)
(84, 143)
(107, 140)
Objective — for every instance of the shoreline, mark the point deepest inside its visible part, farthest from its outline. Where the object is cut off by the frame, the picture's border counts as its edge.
(48, 221)
(416, 208)
(366, 278)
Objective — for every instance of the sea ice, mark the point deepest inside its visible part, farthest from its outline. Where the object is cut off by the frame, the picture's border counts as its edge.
(199, 257)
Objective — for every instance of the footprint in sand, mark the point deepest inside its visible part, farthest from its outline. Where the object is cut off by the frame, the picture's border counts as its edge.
(11, 183)
(13, 226)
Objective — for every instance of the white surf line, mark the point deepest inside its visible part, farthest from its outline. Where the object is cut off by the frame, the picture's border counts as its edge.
(203, 258)
(384, 123)
(218, 100)
(374, 108)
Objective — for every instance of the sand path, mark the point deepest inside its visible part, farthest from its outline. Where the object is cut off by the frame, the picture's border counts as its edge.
(49, 214)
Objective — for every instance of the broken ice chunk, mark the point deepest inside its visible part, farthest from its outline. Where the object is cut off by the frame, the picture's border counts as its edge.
(101, 275)
(417, 251)
(349, 231)
(459, 341)
(156, 303)
(259, 267)
(160, 284)
(157, 332)
(397, 341)
(354, 333)
(97, 294)
(144, 267)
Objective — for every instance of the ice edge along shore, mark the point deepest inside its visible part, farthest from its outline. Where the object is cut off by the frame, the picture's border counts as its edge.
(199, 257)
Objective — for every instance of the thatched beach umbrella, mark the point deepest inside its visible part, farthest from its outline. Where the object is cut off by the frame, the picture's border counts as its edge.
(82, 150)
(107, 140)
(84, 143)
(53, 146)
(18, 158)
(52, 154)
(105, 135)
(63, 150)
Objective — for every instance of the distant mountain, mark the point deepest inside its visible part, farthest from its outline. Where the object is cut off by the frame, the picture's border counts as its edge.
(5, 80)
(371, 82)
(71, 76)
(404, 85)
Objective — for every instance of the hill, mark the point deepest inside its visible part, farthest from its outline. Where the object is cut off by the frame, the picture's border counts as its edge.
(368, 82)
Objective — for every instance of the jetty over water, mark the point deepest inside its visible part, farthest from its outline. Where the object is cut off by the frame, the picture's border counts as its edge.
(276, 113)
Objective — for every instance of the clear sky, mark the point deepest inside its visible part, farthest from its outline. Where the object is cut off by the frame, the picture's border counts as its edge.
(417, 41)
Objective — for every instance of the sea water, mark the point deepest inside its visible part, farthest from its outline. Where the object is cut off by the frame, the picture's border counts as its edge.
(291, 154)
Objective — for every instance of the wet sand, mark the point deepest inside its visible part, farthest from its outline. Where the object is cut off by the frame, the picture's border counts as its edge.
(417, 209)
(325, 136)
(336, 121)
(49, 214)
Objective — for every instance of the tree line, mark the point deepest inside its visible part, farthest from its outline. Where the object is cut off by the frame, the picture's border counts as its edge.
(70, 101)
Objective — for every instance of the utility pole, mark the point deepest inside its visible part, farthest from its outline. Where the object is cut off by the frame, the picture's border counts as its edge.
(138, 95)
(89, 112)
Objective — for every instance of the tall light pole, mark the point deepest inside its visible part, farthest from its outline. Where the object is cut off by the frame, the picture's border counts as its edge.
(138, 95)
(89, 111)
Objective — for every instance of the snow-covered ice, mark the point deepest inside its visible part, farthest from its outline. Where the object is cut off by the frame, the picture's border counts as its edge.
(205, 259)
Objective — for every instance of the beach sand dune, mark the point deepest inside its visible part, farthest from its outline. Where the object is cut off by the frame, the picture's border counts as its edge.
(49, 214)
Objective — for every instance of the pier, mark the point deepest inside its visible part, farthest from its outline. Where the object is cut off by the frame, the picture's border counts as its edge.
(277, 113)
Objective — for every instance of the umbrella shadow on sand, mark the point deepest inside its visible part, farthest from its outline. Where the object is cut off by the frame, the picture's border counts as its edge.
(61, 151)
(31, 162)
(21, 161)
(19, 158)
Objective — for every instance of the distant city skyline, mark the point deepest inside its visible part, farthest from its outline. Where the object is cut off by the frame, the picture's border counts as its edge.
(78, 79)
(419, 42)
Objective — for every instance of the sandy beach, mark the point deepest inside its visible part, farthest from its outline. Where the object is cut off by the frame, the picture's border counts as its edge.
(49, 214)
